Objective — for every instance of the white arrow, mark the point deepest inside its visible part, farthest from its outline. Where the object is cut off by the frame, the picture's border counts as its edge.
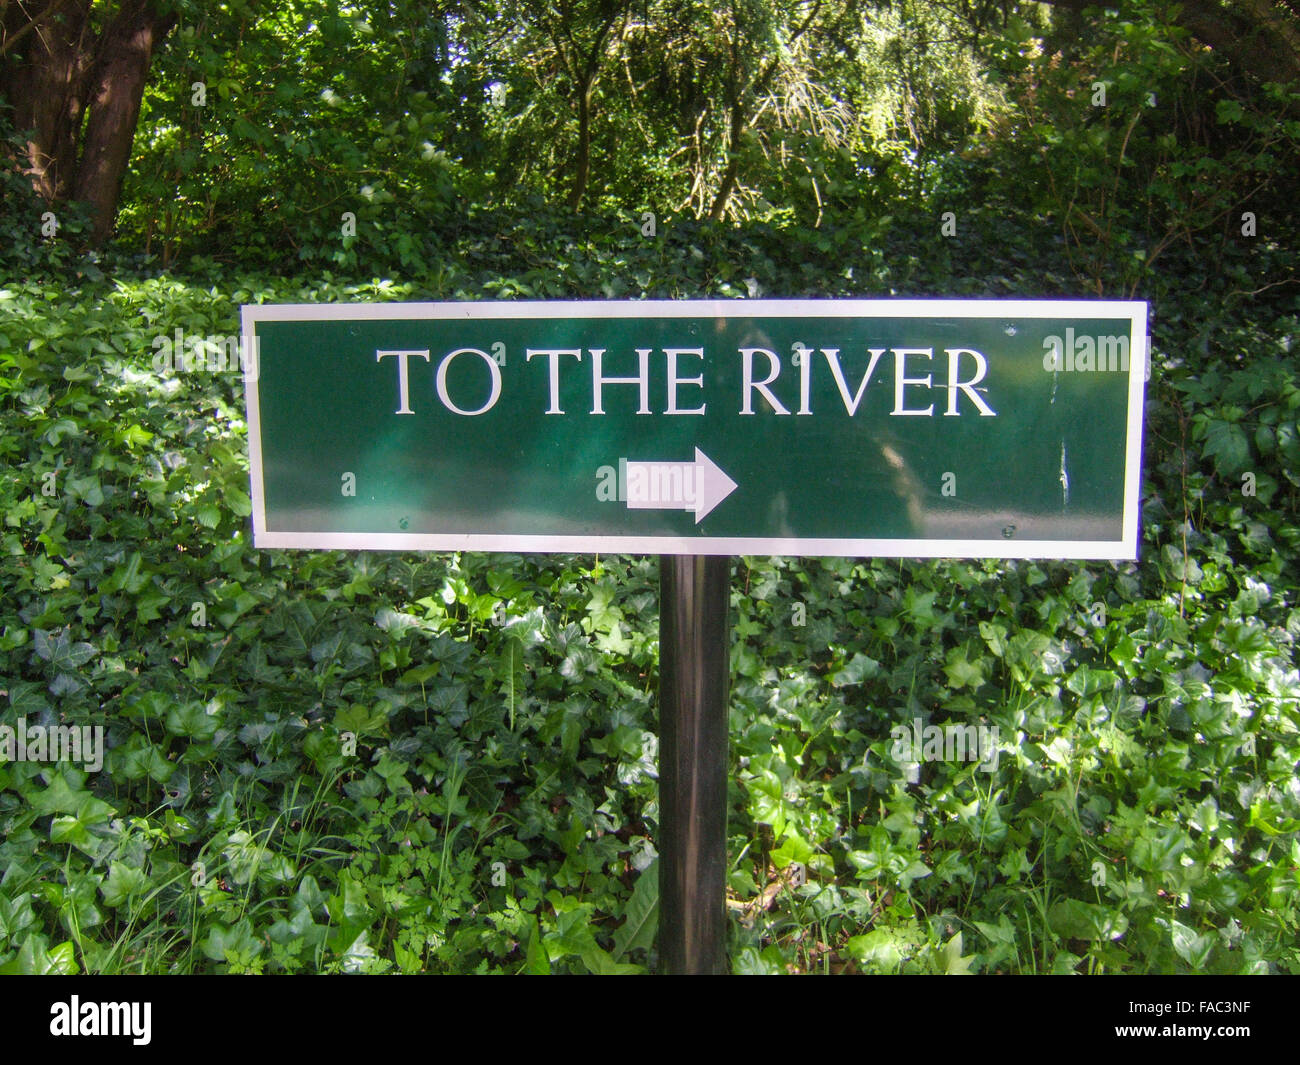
(699, 486)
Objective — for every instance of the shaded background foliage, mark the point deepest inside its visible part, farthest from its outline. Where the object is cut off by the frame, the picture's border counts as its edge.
(259, 129)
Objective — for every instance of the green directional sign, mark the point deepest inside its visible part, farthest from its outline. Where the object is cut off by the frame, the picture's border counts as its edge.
(918, 428)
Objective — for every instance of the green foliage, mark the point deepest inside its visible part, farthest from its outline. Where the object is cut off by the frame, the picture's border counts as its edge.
(27, 244)
(1140, 141)
(357, 139)
(264, 131)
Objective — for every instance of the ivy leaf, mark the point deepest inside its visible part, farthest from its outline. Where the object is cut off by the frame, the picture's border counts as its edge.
(858, 669)
(394, 623)
(881, 948)
(600, 963)
(361, 720)
(124, 883)
(1192, 948)
(1226, 444)
(59, 797)
(641, 918)
(60, 652)
(962, 672)
(238, 501)
(235, 940)
(68, 829)
(536, 961)
(66, 683)
(34, 958)
(59, 429)
(955, 963)
(191, 719)
(128, 577)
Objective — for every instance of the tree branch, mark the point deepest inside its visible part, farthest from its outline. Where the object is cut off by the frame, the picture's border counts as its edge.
(12, 39)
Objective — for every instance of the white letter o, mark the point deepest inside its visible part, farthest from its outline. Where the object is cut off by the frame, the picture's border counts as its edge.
(493, 369)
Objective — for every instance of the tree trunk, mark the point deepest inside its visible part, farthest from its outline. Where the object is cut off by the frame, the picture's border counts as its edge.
(117, 87)
(46, 82)
(731, 175)
(73, 86)
(582, 164)
(583, 66)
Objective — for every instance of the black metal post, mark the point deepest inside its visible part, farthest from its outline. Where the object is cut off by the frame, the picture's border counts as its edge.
(694, 680)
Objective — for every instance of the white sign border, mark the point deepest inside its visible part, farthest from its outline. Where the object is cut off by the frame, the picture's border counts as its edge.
(1124, 549)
